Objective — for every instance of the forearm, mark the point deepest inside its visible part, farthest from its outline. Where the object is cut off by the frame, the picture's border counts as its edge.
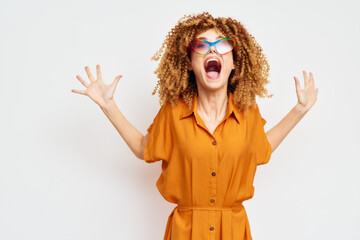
(133, 138)
(277, 134)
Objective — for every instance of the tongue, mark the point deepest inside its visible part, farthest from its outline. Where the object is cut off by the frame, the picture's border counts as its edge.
(213, 73)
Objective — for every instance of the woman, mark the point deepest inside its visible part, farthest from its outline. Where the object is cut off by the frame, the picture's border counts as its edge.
(209, 132)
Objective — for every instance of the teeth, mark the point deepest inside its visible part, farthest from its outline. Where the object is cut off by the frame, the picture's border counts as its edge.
(212, 59)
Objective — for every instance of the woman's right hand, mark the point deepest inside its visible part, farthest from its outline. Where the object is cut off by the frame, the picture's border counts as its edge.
(97, 90)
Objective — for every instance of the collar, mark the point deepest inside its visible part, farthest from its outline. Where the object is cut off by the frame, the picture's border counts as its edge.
(231, 109)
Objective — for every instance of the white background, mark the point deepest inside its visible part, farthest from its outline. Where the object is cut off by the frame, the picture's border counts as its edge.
(65, 172)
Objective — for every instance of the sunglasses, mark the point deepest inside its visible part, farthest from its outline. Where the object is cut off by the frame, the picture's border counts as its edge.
(202, 47)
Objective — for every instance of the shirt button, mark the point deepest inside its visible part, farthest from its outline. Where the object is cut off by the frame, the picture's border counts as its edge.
(212, 200)
(213, 173)
(214, 143)
(211, 228)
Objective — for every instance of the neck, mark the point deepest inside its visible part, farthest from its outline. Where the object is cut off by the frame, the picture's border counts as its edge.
(212, 105)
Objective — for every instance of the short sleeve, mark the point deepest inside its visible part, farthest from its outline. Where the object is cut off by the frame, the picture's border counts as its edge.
(159, 144)
(262, 146)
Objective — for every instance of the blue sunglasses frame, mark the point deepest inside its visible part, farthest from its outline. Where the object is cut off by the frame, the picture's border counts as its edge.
(211, 44)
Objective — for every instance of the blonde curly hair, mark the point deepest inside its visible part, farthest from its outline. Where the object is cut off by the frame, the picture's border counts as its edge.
(246, 81)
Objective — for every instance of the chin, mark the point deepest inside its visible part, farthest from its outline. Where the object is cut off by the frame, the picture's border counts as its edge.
(211, 84)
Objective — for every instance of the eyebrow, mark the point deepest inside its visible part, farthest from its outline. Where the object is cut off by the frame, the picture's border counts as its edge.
(204, 38)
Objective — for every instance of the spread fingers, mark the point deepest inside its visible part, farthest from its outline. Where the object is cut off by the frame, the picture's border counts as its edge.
(98, 71)
(83, 92)
(82, 81)
(89, 74)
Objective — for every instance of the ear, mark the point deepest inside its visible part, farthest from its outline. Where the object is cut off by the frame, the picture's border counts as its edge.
(233, 67)
(190, 67)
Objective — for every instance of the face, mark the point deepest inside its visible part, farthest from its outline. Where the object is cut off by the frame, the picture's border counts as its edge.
(211, 75)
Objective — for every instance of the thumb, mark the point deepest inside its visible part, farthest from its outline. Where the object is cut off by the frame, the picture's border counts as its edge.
(116, 80)
(297, 84)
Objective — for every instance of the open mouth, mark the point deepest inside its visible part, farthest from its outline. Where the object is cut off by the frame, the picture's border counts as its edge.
(212, 68)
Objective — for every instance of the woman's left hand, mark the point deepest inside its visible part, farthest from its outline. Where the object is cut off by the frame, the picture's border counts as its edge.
(308, 95)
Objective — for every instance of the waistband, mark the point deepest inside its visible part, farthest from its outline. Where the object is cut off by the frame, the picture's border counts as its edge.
(209, 208)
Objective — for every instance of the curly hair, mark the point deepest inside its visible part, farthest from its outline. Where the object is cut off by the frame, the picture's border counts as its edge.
(246, 81)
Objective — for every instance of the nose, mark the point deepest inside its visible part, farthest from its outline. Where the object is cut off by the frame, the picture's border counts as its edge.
(212, 49)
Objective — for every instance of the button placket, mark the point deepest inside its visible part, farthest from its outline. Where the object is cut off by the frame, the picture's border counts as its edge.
(213, 186)
(213, 167)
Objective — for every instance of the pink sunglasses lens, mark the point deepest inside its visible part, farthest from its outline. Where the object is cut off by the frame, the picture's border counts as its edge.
(199, 47)
(225, 46)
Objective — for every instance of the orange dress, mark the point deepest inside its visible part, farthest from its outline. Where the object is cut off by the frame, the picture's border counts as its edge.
(207, 175)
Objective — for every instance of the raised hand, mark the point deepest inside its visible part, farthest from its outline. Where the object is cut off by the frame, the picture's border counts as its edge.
(308, 95)
(97, 90)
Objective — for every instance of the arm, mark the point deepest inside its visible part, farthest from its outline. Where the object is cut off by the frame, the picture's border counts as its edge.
(306, 99)
(102, 94)
(277, 134)
(133, 138)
